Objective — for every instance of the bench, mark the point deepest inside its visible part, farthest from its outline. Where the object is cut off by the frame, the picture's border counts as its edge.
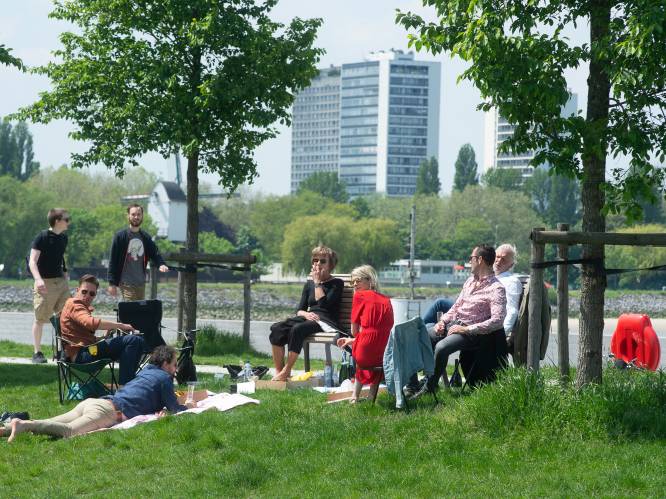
(344, 321)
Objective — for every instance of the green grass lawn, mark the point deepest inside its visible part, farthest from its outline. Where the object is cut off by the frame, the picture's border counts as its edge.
(518, 437)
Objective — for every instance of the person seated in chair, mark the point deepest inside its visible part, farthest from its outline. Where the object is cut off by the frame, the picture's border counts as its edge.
(480, 309)
(371, 323)
(78, 326)
(320, 303)
(505, 259)
(149, 393)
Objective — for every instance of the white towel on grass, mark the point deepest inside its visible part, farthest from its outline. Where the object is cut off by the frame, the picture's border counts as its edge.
(221, 402)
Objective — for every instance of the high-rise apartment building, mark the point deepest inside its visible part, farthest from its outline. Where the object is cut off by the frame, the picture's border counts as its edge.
(316, 127)
(498, 129)
(388, 123)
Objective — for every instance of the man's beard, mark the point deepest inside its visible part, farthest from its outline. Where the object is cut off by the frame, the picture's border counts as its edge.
(135, 224)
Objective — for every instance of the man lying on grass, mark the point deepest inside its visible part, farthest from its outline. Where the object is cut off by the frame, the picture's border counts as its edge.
(150, 392)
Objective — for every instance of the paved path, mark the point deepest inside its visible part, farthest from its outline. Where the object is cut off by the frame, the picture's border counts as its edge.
(16, 326)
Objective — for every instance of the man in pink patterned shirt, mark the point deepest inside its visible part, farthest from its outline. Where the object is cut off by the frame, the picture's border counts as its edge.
(479, 309)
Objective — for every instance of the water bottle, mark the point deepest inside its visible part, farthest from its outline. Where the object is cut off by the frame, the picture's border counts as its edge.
(247, 371)
(328, 375)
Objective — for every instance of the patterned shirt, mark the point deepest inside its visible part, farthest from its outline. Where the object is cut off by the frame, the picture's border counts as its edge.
(481, 305)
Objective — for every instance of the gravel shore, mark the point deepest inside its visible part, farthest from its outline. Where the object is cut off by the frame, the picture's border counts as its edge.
(277, 302)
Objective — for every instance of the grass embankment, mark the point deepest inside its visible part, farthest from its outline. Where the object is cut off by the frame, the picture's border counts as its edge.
(517, 437)
(213, 347)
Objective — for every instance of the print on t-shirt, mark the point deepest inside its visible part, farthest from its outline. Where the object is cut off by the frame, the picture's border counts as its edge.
(133, 271)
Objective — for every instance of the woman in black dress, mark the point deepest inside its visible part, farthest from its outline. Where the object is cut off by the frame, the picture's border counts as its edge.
(320, 303)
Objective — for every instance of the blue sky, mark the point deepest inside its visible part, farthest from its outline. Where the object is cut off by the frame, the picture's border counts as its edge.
(350, 30)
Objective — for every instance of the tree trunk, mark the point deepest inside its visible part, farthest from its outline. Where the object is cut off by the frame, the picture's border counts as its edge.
(593, 278)
(190, 278)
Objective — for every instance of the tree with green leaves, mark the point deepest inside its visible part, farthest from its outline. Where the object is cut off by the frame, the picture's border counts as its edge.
(205, 78)
(518, 54)
(8, 59)
(427, 180)
(17, 158)
(326, 184)
(369, 241)
(507, 179)
(555, 198)
(466, 169)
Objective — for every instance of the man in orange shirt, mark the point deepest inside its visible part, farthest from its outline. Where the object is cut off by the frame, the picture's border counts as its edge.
(78, 327)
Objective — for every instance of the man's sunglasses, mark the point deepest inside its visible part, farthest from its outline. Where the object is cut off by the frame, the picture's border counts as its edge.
(85, 292)
(320, 260)
(67, 219)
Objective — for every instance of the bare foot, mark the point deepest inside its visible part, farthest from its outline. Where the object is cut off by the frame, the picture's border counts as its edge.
(281, 376)
(353, 400)
(17, 426)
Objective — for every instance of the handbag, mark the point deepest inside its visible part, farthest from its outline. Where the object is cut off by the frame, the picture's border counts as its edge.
(347, 367)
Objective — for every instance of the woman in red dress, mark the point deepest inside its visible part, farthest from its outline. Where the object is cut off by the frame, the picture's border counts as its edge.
(371, 323)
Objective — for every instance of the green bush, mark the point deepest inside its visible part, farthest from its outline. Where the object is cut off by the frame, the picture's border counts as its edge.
(628, 404)
(210, 341)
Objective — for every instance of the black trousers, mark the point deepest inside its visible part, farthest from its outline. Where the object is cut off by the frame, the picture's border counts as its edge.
(292, 332)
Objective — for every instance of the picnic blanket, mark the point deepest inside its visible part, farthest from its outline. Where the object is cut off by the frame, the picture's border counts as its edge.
(221, 402)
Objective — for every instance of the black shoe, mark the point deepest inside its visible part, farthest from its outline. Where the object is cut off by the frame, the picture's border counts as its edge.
(6, 417)
(428, 385)
(408, 391)
(38, 358)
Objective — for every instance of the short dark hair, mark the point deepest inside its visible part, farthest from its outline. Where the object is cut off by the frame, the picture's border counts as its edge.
(89, 278)
(162, 354)
(134, 205)
(54, 215)
(487, 253)
(322, 250)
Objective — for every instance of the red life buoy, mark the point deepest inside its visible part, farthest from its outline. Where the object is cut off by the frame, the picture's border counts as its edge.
(635, 340)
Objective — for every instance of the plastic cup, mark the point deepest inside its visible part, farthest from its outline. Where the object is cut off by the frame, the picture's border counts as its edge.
(191, 385)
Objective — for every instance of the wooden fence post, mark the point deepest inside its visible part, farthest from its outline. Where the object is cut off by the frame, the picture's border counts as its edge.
(563, 310)
(536, 297)
(247, 305)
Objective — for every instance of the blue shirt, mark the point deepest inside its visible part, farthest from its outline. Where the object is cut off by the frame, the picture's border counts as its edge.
(149, 392)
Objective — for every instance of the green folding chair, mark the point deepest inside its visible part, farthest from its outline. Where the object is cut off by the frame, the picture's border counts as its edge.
(79, 381)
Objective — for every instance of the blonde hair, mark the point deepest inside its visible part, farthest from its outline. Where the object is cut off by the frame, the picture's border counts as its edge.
(322, 250)
(368, 273)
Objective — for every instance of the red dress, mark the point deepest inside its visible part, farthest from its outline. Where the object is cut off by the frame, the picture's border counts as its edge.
(374, 313)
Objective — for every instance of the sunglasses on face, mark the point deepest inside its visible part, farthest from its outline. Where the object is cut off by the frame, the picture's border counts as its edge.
(356, 280)
(67, 219)
(322, 261)
(92, 294)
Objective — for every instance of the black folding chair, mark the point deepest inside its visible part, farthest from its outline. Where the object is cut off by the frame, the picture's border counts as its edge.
(79, 381)
(481, 363)
(146, 317)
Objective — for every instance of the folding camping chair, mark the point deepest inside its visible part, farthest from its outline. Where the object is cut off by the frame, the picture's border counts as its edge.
(79, 381)
(146, 317)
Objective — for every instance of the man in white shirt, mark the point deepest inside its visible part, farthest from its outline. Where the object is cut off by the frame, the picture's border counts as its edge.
(505, 258)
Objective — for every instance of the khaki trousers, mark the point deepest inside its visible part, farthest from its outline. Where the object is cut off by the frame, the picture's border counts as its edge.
(133, 293)
(89, 415)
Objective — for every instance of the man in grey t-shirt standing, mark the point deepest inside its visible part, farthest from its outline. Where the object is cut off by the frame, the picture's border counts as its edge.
(131, 250)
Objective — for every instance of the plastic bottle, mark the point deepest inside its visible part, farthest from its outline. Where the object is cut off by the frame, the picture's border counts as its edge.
(328, 375)
(247, 371)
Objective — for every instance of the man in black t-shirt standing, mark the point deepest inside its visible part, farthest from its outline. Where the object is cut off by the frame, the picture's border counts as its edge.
(131, 250)
(47, 265)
